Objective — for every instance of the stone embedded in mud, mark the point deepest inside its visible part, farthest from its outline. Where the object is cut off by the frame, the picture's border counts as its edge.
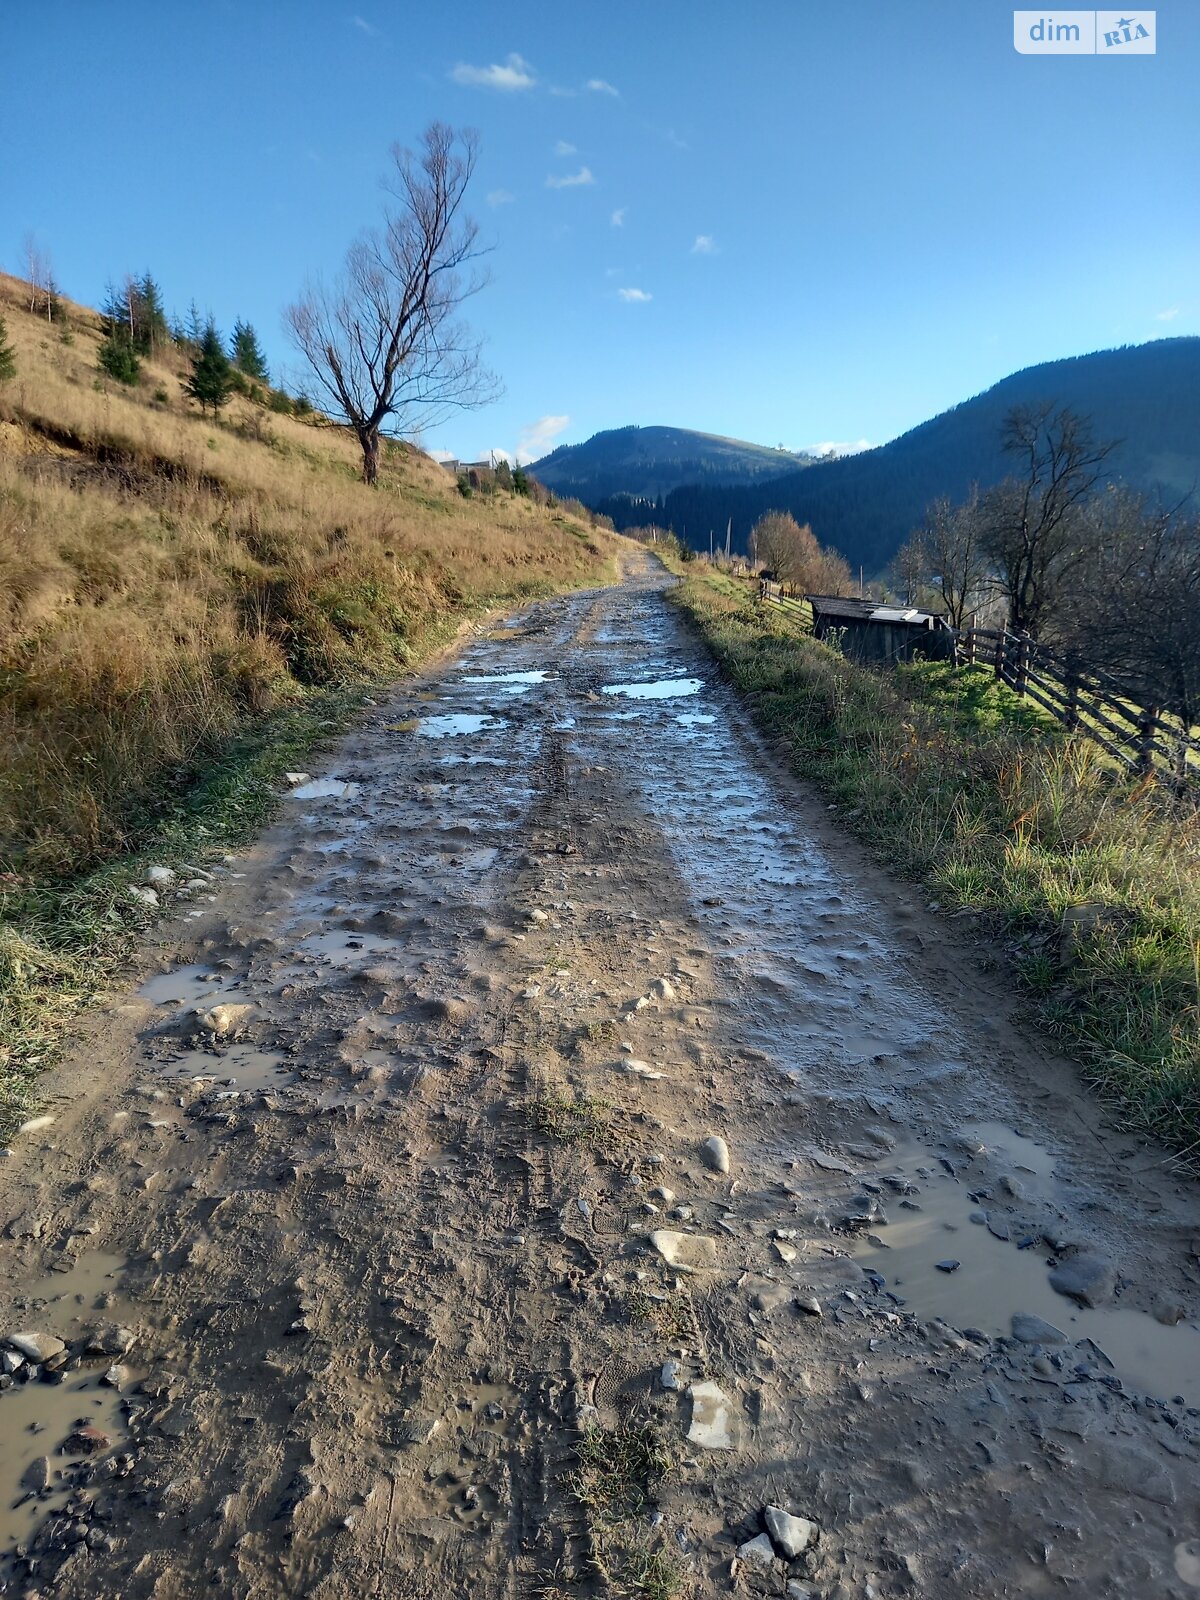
(639, 1069)
(687, 1251)
(758, 1552)
(159, 875)
(35, 1124)
(791, 1535)
(669, 1376)
(39, 1347)
(712, 1417)
(809, 1304)
(1086, 1278)
(714, 1152)
(948, 1265)
(39, 1475)
(1168, 1312)
(110, 1340)
(1033, 1330)
(226, 1018)
(143, 897)
(663, 989)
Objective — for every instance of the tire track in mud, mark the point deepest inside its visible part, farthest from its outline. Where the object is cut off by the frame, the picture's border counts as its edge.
(376, 1294)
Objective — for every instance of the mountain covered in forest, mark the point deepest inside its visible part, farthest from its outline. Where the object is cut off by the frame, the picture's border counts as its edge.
(1146, 396)
(643, 463)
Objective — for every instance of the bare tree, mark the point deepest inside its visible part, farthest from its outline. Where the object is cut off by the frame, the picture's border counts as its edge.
(39, 270)
(382, 342)
(794, 554)
(1136, 611)
(945, 562)
(1034, 532)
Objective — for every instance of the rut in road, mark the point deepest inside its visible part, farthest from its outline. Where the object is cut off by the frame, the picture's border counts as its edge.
(568, 920)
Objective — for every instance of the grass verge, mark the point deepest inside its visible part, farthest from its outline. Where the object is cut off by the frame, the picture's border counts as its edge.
(957, 783)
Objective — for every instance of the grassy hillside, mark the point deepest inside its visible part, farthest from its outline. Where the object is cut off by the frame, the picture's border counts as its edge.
(1147, 396)
(647, 462)
(164, 577)
(185, 605)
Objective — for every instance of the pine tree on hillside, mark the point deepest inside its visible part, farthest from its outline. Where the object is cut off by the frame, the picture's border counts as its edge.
(212, 376)
(152, 329)
(8, 356)
(246, 353)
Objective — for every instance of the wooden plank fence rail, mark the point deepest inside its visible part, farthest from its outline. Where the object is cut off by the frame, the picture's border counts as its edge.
(1143, 739)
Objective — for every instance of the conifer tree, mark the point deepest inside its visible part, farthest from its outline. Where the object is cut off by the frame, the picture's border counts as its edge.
(246, 353)
(212, 376)
(8, 356)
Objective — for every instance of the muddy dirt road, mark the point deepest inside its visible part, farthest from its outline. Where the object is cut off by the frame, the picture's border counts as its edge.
(341, 1277)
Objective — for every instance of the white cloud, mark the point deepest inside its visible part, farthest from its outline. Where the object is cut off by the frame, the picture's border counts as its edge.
(500, 197)
(574, 180)
(704, 245)
(365, 26)
(1168, 315)
(516, 73)
(634, 296)
(443, 455)
(618, 217)
(562, 148)
(537, 438)
(838, 448)
(602, 86)
(499, 453)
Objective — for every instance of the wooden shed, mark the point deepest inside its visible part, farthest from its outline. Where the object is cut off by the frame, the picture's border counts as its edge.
(869, 631)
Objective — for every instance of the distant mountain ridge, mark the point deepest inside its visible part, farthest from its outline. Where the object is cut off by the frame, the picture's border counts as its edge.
(1147, 396)
(644, 463)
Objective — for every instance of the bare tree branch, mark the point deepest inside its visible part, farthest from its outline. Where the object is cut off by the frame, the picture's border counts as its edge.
(382, 343)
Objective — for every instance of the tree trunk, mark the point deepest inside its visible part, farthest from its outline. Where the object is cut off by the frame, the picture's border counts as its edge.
(369, 439)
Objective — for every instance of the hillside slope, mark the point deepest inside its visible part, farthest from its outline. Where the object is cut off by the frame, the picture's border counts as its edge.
(1147, 396)
(647, 462)
(166, 579)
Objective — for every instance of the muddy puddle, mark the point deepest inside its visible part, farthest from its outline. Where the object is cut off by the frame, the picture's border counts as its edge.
(453, 724)
(194, 983)
(944, 1252)
(522, 680)
(245, 1064)
(660, 689)
(38, 1418)
(324, 789)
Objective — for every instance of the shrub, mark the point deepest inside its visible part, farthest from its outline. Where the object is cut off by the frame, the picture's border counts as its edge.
(119, 359)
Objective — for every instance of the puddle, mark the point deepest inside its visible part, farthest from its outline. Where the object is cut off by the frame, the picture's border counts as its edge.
(66, 1303)
(521, 678)
(55, 1411)
(995, 1279)
(694, 719)
(250, 1067)
(345, 949)
(663, 689)
(453, 723)
(195, 982)
(325, 789)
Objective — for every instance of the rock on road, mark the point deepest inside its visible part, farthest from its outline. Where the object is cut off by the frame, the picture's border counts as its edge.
(586, 1072)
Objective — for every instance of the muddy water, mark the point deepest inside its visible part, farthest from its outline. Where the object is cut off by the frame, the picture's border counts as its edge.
(37, 1417)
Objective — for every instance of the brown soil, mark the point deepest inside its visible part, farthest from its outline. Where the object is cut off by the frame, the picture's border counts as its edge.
(503, 991)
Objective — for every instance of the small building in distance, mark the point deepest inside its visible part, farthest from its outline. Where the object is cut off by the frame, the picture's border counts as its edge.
(869, 631)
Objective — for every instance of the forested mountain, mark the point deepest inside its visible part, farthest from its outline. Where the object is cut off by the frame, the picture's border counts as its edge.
(1147, 396)
(642, 463)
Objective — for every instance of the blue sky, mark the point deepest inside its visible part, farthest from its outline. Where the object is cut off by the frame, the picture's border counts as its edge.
(792, 222)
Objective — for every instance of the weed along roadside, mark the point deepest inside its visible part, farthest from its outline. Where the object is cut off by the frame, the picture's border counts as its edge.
(1091, 879)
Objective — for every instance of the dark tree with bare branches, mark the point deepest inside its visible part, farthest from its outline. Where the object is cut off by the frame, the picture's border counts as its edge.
(1035, 534)
(383, 342)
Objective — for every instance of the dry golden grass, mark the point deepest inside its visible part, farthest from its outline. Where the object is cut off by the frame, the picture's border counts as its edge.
(164, 578)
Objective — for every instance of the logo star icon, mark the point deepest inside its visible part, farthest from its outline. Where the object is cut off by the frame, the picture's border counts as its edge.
(1125, 22)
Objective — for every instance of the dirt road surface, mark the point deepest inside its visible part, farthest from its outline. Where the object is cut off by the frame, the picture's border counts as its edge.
(341, 1285)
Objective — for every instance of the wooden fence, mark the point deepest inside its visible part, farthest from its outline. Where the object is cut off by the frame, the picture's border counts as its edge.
(1142, 738)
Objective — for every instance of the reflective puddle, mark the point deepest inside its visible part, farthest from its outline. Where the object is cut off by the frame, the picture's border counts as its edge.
(325, 789)
(246, 1064)
(999, 1277)
(453, 723)
(509, 677)
(195, 983)
(662, 689)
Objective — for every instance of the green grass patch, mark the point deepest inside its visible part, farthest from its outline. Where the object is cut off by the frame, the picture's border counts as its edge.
(958, 783)
(574, 1120)
(616, 1483)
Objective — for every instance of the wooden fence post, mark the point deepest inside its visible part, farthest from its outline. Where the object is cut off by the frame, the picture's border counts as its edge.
(1147, 728)
(1001, 641)
(969, 651)
(1071, 714)
(1021, 664)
